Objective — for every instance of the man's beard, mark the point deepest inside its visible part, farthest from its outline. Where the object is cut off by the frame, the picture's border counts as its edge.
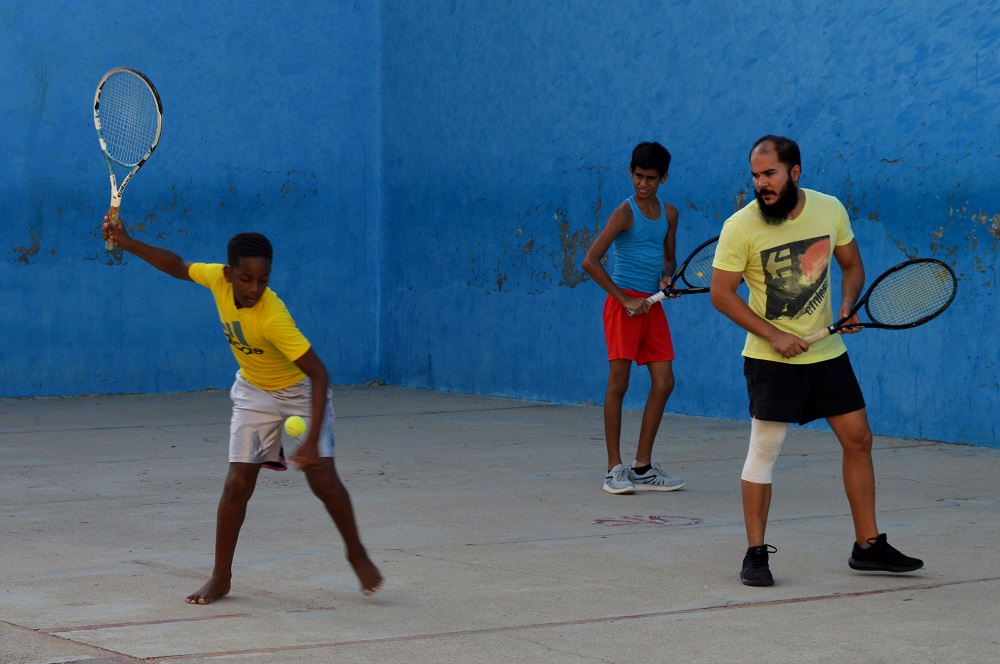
(777, 213)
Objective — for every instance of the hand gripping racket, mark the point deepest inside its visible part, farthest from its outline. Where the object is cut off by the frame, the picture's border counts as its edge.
(695, 272)
(128, 117)
(903, 296)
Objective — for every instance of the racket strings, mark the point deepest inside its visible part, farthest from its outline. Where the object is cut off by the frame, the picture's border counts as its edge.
(911, 294)
(129, 118)
(698, 273)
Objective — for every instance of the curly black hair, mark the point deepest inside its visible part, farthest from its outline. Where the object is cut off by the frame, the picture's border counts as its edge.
(248, 245)
(651, 155)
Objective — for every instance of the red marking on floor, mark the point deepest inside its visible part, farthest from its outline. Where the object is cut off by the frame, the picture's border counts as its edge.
(574, 623)
(86, 628)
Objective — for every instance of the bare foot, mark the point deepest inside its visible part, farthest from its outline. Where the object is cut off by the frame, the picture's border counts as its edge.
(208, 593)
(371, 578)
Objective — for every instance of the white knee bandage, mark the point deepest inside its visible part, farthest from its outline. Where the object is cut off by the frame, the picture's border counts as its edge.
(765, 444)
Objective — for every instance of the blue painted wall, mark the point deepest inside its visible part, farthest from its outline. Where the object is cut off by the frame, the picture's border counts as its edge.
(270, 124)
(506, 137)
(432, 174)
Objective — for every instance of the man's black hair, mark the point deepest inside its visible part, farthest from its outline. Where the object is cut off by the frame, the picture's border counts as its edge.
(786, 149)
(248, 245)
(650, 156)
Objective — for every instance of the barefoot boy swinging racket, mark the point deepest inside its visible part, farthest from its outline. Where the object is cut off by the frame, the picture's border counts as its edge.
(280, 375)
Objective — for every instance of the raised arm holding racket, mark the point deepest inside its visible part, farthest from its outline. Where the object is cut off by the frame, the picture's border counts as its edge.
(128, 117)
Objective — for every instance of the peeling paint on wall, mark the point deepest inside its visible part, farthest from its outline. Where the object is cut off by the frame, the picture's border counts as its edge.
(24, 253)
(520, 263)
(740, 201)
(574, 246)
(545, 245)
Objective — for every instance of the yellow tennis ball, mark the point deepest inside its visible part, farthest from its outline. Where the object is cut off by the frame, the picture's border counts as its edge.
(295, 426)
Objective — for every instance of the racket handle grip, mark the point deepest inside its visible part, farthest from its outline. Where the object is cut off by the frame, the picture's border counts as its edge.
(112, 219)
(817, 335)
(652, 299)
(656, 297)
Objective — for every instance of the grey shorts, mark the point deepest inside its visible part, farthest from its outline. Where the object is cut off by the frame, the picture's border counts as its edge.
(801, 393)
(257, 427)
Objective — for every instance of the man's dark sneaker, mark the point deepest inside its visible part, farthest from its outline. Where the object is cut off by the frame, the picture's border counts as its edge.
(882, 557)
(755, 571)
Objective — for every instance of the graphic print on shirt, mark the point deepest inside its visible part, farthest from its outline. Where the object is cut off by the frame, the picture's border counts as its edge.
(234, 333)
(796, 277)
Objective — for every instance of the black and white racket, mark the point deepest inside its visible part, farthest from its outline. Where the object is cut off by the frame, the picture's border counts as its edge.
(128, 117)
(902, 297)
(695, 272)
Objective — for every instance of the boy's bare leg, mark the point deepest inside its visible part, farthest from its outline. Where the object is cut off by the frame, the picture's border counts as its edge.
(661, 377)
(618, 375)
(326, 484)
(240, 483)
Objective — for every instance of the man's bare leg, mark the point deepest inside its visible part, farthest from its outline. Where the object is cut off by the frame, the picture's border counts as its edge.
(240, 483)
(756, 505)
(326, 484)
(855, 437)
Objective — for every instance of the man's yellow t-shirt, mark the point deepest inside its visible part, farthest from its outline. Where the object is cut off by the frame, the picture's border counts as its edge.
(263, 338)
(787, 269)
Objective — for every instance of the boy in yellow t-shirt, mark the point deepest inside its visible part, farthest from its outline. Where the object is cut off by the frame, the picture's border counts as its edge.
(280, 375)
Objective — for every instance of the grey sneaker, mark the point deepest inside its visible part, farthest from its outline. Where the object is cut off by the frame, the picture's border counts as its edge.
(655, 479)
(617, 481)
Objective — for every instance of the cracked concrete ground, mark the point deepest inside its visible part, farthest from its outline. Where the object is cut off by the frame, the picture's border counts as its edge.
(498, 545)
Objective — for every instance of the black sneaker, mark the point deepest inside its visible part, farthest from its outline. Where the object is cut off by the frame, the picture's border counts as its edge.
(755, 571)
(882, 557)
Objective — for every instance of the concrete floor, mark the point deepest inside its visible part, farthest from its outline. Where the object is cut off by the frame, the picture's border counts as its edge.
(487, 518)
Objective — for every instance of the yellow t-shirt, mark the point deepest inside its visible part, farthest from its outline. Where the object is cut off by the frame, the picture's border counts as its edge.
(263, 338)
(787, 269)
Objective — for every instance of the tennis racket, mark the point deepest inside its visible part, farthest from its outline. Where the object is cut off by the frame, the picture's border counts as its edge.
(695, 272)
(128, 117)
(903, 296)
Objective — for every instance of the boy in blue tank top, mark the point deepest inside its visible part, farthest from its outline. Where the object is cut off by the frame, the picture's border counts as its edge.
(642, 231)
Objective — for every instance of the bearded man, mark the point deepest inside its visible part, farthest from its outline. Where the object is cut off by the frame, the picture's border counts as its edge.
(782, 244)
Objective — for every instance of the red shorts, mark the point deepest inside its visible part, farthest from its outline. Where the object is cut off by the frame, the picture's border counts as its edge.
(643, 339)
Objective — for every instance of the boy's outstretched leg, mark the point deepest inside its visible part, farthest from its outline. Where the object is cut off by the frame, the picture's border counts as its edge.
(616, 479)
(240, 483)
(618, 377)
(325, 483)
(646, 475)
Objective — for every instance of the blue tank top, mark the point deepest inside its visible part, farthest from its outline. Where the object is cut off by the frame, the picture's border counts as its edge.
(639, 251)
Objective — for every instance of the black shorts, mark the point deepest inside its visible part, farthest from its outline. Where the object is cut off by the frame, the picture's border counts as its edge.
(801, 393)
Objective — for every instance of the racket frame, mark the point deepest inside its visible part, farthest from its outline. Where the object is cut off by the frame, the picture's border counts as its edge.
(116, 189)
(679, 274)
(863, 302)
